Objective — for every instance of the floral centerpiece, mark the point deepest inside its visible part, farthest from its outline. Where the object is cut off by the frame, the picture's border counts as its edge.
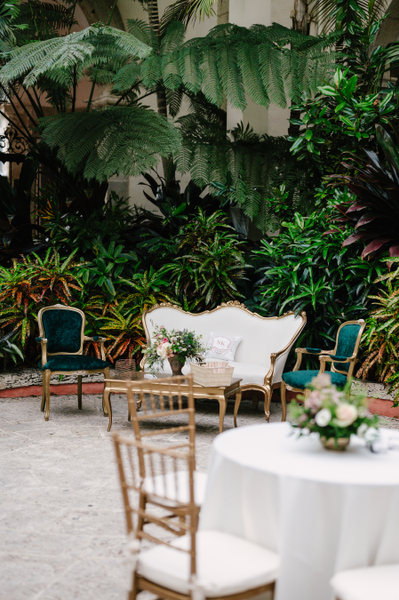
(333, 414)
(176, 346)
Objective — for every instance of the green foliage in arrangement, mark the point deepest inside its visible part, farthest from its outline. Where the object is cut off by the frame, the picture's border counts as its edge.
(206, 262)
(381, 337)
(306, 268)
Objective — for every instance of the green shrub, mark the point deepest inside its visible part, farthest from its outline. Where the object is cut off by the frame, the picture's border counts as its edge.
(206, 262)
(381, 338)
(306, 268)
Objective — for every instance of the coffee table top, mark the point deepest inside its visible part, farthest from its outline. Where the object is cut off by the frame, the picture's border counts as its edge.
(140, 375)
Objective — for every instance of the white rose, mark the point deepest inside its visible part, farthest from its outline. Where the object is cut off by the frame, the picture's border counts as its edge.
(323, 417)
(163, 350)
(346, 414)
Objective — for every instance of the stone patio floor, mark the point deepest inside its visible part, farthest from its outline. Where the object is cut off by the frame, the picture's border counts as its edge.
(62, 528)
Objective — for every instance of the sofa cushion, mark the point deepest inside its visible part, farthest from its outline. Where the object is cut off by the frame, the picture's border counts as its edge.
(222, 347)
(74, 363)
(226, 565)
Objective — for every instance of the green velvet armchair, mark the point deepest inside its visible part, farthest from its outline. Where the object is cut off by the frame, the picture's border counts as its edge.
(61, 338)
(342, 359)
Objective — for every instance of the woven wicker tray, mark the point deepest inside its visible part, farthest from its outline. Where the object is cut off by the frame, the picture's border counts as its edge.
(212, 374)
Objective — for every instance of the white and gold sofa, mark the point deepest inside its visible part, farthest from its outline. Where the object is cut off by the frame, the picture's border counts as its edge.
(261, 354)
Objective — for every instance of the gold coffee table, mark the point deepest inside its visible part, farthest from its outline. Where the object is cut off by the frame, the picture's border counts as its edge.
(219, 393)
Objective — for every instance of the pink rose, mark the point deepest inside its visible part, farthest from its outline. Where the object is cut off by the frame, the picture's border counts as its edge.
(313, 401)
(322, 380)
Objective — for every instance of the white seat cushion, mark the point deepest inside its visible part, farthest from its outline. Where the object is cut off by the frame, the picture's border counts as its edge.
(225, 565)
(175, 486)
(371, 583)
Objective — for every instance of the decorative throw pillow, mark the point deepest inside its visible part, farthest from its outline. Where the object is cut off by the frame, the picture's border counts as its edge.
(221, 346)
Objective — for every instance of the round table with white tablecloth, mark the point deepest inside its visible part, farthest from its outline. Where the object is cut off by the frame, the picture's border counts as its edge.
(322, 511)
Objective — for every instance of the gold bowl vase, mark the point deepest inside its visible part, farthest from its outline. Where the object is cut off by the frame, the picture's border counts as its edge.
(176, 364)
(337, 444)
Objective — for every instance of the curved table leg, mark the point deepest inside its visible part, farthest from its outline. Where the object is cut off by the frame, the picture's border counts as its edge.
(222, 411)
(237, 406)
(108, 407)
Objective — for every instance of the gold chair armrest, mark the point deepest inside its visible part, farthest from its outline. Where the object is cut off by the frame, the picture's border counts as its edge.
(100, 339)
(301, 351)
(43, 344)
(325, 358)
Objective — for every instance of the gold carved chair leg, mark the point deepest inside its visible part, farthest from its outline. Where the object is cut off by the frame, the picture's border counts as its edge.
(43, 394)
(80, 392)
(283, 390)
(105, 407)
(46, 391)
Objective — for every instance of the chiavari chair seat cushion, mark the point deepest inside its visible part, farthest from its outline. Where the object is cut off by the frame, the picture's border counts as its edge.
(226, 565)
(175, 487)
(370, 583)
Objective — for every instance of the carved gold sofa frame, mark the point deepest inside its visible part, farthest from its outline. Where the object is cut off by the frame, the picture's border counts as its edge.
(261, 355)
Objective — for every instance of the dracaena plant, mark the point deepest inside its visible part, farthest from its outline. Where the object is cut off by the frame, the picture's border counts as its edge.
(381, 338)
(375, 183)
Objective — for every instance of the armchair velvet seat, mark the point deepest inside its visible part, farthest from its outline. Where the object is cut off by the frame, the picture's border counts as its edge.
(342, 359)
(61, 338)
(300, 379)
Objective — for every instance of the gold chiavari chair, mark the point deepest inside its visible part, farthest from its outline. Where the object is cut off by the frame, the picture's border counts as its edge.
(166, 417)
(185, 564)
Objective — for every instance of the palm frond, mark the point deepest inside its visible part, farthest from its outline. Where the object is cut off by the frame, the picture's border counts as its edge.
(118, 140)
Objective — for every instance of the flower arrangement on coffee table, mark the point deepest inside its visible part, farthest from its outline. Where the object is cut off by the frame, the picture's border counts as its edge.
(176, 346)
(333, 414)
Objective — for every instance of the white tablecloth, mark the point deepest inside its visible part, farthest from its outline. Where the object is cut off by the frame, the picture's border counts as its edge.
(322, 511)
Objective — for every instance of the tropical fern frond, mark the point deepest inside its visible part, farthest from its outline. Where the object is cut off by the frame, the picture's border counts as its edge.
(143, 32)
(187, 10)
(59, 53)
(234, 60)
(326, 11)
(127, 77)
(119, 140)
(173, 37)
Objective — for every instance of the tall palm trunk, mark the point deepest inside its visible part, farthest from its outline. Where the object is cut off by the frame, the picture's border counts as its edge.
(153, 15)
(300, 22)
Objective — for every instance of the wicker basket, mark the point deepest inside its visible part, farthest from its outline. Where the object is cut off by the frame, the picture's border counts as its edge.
(125, 369)
(212, 374)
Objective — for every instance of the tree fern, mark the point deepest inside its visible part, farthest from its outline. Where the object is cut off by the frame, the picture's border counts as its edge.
(118, 140)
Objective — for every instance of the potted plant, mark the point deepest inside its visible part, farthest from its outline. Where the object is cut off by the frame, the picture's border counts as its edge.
(176, 346)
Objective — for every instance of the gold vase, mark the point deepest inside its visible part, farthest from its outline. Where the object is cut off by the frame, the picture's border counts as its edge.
(338, 444)
(176, 364)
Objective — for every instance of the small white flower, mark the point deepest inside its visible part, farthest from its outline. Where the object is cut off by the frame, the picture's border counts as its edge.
(362, 429)
(323, 417)
(371, 435)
